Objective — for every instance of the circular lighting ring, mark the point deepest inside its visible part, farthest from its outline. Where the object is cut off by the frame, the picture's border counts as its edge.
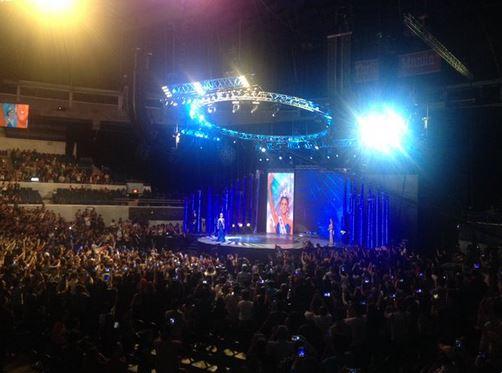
(254, 95)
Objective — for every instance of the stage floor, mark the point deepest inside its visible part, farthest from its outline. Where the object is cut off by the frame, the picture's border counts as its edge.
(263, 241)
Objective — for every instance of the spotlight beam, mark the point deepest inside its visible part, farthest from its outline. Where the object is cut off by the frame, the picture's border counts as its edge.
(383, 131)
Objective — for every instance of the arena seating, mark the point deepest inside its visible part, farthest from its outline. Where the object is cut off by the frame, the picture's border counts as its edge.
(88, 196)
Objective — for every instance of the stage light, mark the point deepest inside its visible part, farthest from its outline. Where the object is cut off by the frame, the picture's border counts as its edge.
(244, 81)
(261, 160)
(211, 109)
(233, 225)
(240, 225)
(316, 147)
(268, 159)
(198, 88)
(55, 6)
(290, 157)
(280, 157)
(328, 157)
(383, 131)
(235, 106)
(255, 106)
(276, 111)
(248, 225)
(263, 150)
(57, 13)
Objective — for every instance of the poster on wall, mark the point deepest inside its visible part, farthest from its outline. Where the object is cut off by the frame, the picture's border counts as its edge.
(14, 115)
(280, 202)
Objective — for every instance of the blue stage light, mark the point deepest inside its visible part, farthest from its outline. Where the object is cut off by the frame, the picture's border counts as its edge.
(382, 130)
(263, 150)
(198, 88)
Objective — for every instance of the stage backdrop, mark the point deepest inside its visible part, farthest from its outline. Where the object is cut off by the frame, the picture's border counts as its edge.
(280, 202)
(320, 196)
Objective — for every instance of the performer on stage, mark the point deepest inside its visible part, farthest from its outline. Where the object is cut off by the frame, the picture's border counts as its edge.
(331, 232)
(221, 228)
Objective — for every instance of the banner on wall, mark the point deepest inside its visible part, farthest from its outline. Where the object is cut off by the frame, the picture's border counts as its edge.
(419, 63)
(280, 202)
(14, 115)
(366, 71)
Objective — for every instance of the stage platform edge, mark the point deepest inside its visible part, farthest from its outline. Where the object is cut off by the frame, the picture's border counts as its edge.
(263, 241)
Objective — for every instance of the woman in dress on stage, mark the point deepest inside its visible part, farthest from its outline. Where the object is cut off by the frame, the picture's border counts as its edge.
(280, 217)
(331, 232)
(221, 228)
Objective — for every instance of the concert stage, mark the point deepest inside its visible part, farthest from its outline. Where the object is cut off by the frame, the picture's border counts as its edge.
(263, 241)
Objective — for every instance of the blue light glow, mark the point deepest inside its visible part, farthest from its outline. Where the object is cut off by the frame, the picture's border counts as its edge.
(382, 130)
(198, 88)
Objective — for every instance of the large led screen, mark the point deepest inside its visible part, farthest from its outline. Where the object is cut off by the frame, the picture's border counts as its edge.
(321, 196)
(14, 115)
(280, 202)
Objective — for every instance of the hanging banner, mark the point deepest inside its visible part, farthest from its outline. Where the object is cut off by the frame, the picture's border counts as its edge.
(366, 71)
(419, 63)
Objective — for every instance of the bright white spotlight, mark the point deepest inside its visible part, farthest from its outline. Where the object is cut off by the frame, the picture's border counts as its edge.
(58, 12)
(255, 106)
(55, 6)
(244, 81)
(235, 106)
(383, 131)
(198, 88)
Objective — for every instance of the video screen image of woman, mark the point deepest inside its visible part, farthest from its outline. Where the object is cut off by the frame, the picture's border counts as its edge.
(280, 202)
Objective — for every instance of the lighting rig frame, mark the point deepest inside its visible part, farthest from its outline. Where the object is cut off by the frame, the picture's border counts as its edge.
(198, 95)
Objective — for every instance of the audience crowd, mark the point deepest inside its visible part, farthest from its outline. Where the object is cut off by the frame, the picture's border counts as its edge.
(24, 165)
(83, 297)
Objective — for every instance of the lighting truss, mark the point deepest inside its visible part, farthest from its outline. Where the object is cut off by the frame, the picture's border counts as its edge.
(257, 95)
(199, 95)
(419, 30)
(206, 86)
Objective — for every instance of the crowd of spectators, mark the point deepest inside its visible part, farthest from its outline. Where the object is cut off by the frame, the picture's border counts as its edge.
(24, 165)
(90, 298)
